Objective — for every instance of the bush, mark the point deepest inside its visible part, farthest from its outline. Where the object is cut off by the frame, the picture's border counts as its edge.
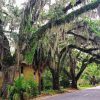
(47, 80)
(22, 87)
(64, 80)
(83, 83)
(33, 87)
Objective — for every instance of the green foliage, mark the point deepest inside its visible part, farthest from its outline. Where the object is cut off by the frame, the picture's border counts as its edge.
(85, 86)
(94, 25)
(91, 70)
(55, 11)
(64, 81)
(73, 2)
(47, 80)
(21, 85)
(83, 82)
(18, 86)
(33, 90)
(29, 54)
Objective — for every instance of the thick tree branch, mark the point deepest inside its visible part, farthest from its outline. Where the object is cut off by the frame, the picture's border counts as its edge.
(65, 19)
(89, 51)
(80, 36)
(84, 65)
(69, 6)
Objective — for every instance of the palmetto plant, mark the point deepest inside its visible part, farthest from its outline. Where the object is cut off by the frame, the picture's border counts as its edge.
(21, 86)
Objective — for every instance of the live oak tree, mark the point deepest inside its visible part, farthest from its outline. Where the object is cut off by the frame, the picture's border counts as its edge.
(8, 18)
(6, 61)
(83, 46)
(58, 22)
(54, 40)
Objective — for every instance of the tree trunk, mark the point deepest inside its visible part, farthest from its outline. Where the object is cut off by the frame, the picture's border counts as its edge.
(74, 83)
(39, 81)
(55, 79)
(39, 85)
(72, 71)
(21, 95)
(42, 84)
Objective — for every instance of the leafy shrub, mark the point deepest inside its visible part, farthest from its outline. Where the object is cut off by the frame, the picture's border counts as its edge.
(47, 80)
(83, 83)
(33, 87)
(64, 80)
(22, 87)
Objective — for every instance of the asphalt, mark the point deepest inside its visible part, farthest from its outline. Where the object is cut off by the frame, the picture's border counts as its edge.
(88, 94)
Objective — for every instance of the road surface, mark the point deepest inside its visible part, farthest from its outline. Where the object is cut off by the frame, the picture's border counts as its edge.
(88, 94)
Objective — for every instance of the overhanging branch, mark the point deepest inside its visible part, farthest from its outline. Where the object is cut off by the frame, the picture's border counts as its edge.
(65, 19)
(88, 51)
(69, 6)
(80, 36)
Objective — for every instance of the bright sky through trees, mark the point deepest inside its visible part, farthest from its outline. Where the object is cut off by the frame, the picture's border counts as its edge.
(20, 2)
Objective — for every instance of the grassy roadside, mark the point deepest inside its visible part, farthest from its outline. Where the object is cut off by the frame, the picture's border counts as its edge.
(85, 87)
(65, 90)
(47, 93)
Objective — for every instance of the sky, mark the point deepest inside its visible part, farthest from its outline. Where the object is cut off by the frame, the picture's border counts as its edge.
(19, 2)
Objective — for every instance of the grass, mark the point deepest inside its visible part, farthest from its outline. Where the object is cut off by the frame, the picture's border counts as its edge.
(81, 87)
(62, 90)
(52, 92)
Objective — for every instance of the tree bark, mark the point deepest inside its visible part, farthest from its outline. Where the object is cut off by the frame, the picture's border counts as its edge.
(39, 85)
(55, 80)
(81, 71)
(42, 85)
(72, 70)
(6, 61)
(88, 51)
(21, 95)
(74, 83)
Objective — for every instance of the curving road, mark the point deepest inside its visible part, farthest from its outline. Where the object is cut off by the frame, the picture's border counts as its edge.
(88, 94)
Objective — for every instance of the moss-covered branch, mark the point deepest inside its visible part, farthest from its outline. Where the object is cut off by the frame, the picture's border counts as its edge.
(38, 34)
(85, 50)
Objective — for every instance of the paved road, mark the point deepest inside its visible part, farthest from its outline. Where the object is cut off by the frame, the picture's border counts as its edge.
(89, 94)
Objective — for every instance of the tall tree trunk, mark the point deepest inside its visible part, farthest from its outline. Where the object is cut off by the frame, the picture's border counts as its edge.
(21, 95)
(5, 83)
(39, 85)
(72, 71)
(42, 84)
(55, 79)
(74, 83)
(6, 60)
